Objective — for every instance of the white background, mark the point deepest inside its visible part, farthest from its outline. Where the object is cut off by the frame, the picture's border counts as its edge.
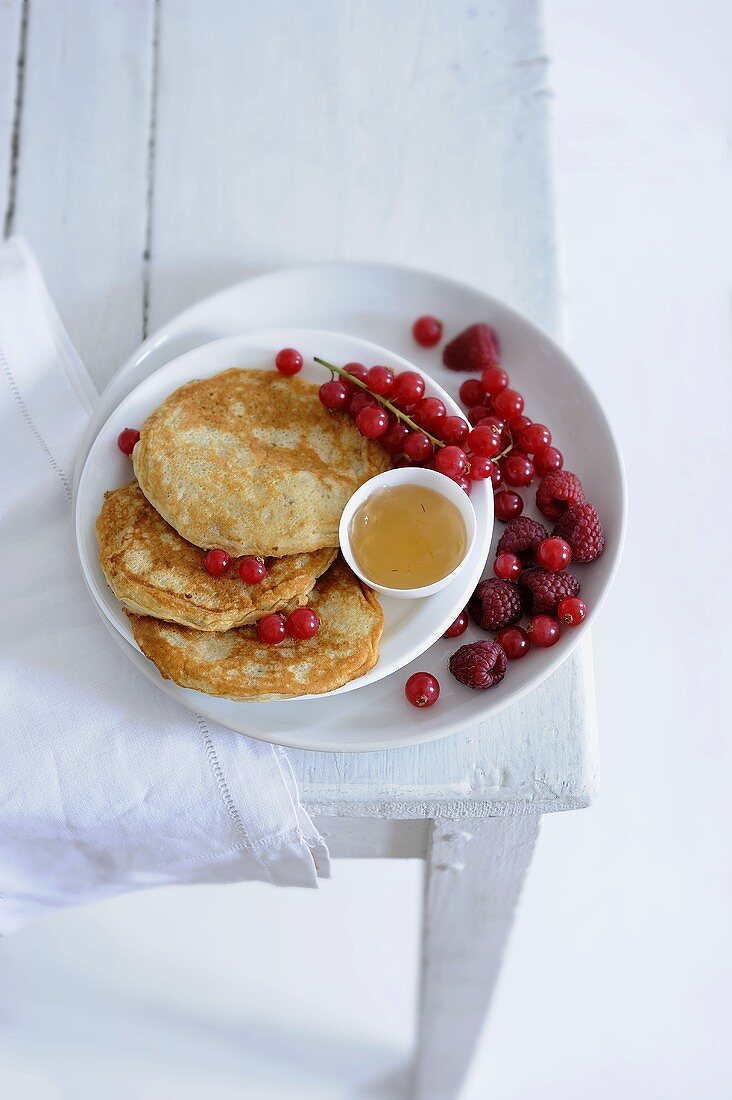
(618, 980)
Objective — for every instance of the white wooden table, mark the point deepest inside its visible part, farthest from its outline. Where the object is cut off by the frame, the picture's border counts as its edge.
(153, 152)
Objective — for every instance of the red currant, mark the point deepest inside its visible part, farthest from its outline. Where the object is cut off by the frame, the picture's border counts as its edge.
(476, 413)
(553, 554)
(334, 395)
(471, 392)
(408, 389)
(417, 447)
(493, 381)
(252, 570)
(453, 429)
(543, 630)
(508, 404)
(427, 331)
(459, 626)
(496, 476)
(451, 461)
(534, 438)
(360, 400)
(373, 421)
(288, 361)
(519, 424)
(518, 470)
(428, 412)
(380, 380)
(217, 562)
(572, 610)
(480, 468)
(393, 441)
(507, 567)
(499, 425)
(514, 642)
(507, 505)
(272, 629)
(465, 484)
(422, 689)
(484, 440)
(358, 370)
(302, 623)
(548, 459)
(127, 439)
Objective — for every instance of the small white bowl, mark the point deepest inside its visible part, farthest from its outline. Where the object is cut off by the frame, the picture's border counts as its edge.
(409, 475)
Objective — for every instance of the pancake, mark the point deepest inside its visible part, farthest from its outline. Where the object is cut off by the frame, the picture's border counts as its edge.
(237, 665)
(252, 462)
(153, 571)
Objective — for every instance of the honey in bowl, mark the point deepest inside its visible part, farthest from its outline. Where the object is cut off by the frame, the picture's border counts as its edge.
(407, 536)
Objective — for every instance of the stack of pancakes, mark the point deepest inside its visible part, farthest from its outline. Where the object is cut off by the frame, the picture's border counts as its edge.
(251, 463)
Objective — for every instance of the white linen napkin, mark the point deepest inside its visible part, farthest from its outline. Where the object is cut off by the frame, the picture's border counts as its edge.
(106, 784)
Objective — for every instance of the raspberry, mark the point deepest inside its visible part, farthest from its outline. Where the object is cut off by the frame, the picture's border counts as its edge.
(580, 526)
(479, 664)
(558, 491)
(475, 349)
(522, 536)
(496, 603)
(543, 590)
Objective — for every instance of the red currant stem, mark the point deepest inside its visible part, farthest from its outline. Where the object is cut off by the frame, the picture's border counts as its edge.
(382, 401)
(505, 450)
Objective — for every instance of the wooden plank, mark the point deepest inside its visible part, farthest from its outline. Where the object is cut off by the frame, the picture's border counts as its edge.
(81, 184)
(11, 72)
(370, 838)
(474, 878)
(273, 155)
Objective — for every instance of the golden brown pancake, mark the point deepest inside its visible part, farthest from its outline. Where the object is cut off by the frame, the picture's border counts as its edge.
(252, 462)
(153, 571)
(237, 665)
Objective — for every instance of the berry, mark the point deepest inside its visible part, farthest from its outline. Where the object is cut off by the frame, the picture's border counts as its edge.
(557, 492)
(493, 380)
(334, 395)
(217, 562)
(514, 641)
(465, 484)
(548, 459)
(252, 570)
(543, 630)
(453, 429)
(518, 470)
(508, 404)
(477, 413)
(302, 623)
(459, 626)
(380, 380)
(427, 331)
(522, 536)
(471, 392)
(553, 554)
(495, 603)
(272, 629)
(127, 439)
(479, 664)
(534, 438)
(580, 526)
(480, 468)
(519, 423)
(422, 689)
(417, 447)
(475, 349)
(428, 412)
(572, 611)
(543, 590)
(408, 389)
(496, 476)
(288, 361)
(360, 400)
(373, 421)
(451, 461)
(507, 505)
(358, 370)
(507, 567)
(393, 441)
(485, 440)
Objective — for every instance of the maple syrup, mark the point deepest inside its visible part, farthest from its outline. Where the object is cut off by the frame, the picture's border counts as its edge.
(407, 536)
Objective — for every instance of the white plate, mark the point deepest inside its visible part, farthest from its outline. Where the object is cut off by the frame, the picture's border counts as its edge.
(410, 626)
(379, 302)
